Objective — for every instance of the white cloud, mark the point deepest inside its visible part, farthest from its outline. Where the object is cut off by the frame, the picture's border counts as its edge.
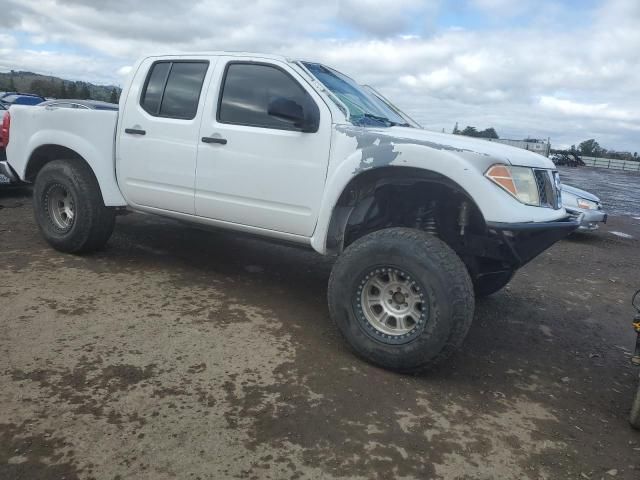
(124, 71)
(384, 17)
(551, 77)
(504, 7)
(589, 110)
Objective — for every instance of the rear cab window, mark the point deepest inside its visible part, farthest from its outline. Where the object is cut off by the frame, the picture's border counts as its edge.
(173, 88)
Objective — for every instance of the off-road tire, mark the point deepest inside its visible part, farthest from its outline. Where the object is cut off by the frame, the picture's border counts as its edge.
(440, 275)
(92, 224)
(634, 416)
(488, 285)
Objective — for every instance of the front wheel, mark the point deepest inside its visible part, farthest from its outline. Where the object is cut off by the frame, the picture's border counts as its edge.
(634, 416)
(401, 298)
(69, 208)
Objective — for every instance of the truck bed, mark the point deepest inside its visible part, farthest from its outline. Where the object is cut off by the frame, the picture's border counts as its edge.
(90, 133)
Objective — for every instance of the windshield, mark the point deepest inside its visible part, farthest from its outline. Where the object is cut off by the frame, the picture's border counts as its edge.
(364, 108)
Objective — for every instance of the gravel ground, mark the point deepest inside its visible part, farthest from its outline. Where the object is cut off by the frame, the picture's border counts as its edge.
(178, 353)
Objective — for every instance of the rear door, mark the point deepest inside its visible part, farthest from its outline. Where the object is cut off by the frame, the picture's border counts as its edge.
(254, 169)
(158, 134)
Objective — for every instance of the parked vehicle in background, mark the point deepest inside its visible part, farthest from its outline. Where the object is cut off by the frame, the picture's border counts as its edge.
(567, 159)
(15, 98)
(296, 151)
(577, 201)
(81, 104)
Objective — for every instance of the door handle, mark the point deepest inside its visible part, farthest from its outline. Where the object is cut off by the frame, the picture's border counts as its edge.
(221, 141)
(135, 131)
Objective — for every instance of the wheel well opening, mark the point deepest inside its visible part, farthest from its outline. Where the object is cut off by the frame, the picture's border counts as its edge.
(45, 154)
(413, 198)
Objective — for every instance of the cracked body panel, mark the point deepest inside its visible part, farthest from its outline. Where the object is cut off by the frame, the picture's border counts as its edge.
(379, 146)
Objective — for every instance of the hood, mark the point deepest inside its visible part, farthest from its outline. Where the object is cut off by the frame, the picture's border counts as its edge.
(579, 193)
(447, 141)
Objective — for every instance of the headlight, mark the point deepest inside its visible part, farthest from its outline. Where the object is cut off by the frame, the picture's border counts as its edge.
(587, 204)
(517, 181)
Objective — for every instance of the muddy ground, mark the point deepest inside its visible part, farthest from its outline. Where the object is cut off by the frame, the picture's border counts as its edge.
(178, 353)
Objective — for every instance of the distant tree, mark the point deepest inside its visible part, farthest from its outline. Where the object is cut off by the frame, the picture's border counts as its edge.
(470, 131)
(62, 91)
(488, 133)
(85, 93)
(590, 147)
(456, 130)
(73, 90)
(12, 83)
(38, 86)
(114, 96)
(573, 148)
(474, 132)
(49, 88)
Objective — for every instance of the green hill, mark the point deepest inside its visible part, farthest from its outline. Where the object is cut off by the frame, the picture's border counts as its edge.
(55, 87)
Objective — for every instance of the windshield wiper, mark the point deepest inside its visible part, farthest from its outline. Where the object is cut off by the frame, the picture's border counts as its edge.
(384, 120)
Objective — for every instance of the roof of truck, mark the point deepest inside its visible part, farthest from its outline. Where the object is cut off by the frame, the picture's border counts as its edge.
(224, 53)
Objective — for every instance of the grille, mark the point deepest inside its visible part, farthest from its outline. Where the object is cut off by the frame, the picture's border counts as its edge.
(548, 188)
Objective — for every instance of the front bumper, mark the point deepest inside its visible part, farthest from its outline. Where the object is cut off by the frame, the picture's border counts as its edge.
(522, 242)
(590, 218)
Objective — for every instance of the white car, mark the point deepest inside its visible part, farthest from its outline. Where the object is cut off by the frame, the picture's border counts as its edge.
(295, 151)
(580, 202)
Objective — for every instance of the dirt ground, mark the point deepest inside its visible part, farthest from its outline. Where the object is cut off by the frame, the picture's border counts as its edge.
(179, 353)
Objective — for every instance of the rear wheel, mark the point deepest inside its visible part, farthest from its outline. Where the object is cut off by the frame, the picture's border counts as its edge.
(69, 209)
(401, 298)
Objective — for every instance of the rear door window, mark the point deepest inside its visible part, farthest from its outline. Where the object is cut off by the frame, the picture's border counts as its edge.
(173, 89)
(156, 81)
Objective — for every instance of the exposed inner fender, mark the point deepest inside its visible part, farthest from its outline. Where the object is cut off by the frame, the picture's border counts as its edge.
(411, 188)
(416, 198)
(48, 153)
(45, 154)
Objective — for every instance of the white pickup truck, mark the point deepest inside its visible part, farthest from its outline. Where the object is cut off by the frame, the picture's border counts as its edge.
(421, 222)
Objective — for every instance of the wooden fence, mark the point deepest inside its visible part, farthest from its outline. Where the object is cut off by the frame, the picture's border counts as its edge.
(613, 163)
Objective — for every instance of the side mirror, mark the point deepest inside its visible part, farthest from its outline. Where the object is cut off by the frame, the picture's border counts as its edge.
(306, 120)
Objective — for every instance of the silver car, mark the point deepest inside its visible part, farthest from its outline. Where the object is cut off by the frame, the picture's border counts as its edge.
(577, 202)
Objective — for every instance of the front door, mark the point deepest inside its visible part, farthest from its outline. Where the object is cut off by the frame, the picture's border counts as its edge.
(158, 134)
(256, 169)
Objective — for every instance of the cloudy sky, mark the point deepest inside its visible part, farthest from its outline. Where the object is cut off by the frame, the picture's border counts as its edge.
(569, 70)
